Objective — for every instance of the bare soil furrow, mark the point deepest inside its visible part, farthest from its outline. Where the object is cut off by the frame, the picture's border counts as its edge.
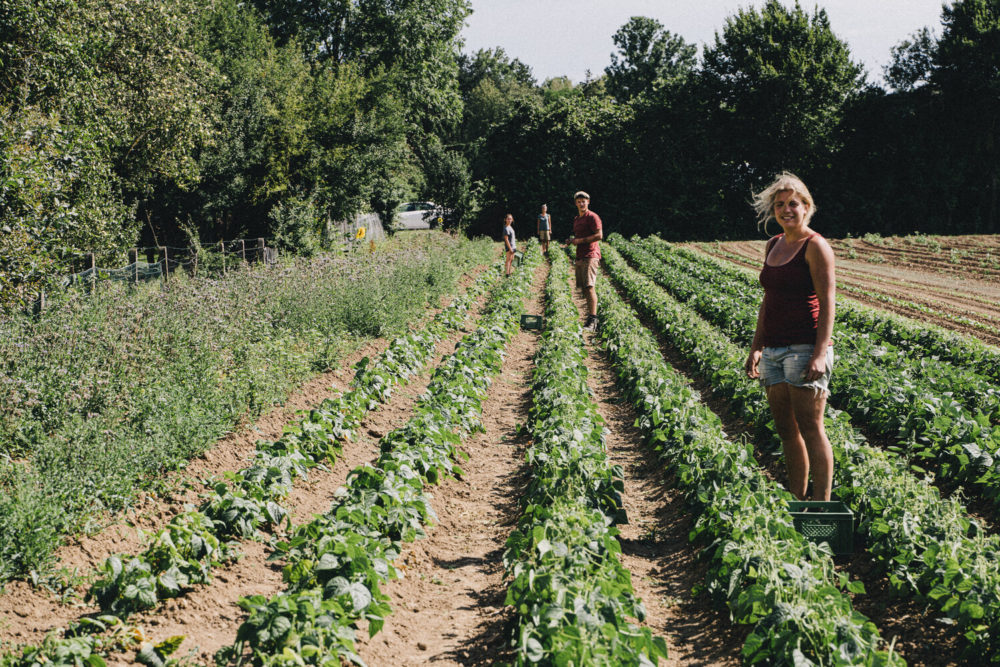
(663, 564)
(449, 608)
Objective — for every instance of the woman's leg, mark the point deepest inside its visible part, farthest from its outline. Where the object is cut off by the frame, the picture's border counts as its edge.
(780, 398)
(809, 407)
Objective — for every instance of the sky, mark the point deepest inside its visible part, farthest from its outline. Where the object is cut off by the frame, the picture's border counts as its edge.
(568, 37)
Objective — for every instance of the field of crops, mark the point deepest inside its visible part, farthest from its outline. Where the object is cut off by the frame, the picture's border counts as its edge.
(474, 492)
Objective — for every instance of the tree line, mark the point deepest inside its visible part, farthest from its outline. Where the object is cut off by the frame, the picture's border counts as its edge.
(166, 123)
(667, 142)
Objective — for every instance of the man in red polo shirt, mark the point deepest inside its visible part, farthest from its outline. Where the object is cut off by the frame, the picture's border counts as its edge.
(587, 235)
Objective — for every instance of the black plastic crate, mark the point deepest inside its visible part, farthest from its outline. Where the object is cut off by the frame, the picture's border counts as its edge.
(820, 521)
(532, 321)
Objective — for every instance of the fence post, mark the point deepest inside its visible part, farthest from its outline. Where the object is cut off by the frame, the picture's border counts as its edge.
(134, 256)
(93, 270)
(222, 247)
(166, 263)
(194, 260)
(260, 251)
(243, 250)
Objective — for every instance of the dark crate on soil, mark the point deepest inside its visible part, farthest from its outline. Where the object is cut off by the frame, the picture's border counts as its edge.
(532, 321)
(819, 521)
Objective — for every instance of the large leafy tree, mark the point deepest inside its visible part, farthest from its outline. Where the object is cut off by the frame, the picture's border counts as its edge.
(492, 85)
(648, 57)
(413, 41)
(409, 50)
(102, 101)
(912, 61)
(777, 80)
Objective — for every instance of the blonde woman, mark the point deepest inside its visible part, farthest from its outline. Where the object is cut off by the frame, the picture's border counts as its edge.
(792, 349)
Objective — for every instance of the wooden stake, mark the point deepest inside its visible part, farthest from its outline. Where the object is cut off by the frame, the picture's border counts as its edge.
(166, 263)
(93, 270)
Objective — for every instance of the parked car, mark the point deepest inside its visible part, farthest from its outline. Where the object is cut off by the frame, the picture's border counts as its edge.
(417, 215)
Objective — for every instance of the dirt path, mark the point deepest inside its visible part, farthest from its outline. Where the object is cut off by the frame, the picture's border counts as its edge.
(961, 291)
(655, 548)
(208, 615)
(449, 609)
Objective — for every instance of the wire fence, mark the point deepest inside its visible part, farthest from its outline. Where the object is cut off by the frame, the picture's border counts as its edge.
(145, 263)
(154, 262)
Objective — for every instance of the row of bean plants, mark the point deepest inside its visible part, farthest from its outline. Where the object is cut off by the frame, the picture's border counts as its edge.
(335, 564)
(183, 553)
(104, 392)
(571, 594)
(928, 547)
(770, 577)
(922, 419)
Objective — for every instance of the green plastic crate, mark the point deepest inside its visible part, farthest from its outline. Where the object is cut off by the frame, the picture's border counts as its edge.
(831, 522)
(518, 256)
(532, 321)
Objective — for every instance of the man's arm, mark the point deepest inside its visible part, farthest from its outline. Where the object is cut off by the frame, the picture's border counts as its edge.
(593, 238)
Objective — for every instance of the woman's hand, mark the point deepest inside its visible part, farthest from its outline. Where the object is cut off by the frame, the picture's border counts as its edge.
(816, 368)
(750, 366)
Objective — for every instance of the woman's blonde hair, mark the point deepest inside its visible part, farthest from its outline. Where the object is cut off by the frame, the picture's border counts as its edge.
(763, 201)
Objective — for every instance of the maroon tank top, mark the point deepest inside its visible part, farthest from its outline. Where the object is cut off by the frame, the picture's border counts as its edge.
(791, 307)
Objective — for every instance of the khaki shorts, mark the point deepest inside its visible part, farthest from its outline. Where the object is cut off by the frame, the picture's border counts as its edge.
(586, 271)
(545, 235)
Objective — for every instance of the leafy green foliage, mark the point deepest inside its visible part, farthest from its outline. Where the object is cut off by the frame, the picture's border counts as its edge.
(59, 198)
(777, 80)
(912, 61)
(944, 416)
(572, 595)
(183, 554)
(84, 645)
(649, 57)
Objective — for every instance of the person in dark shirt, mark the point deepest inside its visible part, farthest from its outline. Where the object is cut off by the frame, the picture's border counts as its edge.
(509, 243)
(587, 235)
(792, 349)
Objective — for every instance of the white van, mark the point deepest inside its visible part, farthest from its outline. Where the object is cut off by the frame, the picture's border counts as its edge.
(416, 215)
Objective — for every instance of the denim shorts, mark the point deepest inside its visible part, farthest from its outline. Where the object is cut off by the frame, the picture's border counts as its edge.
(789, 364)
